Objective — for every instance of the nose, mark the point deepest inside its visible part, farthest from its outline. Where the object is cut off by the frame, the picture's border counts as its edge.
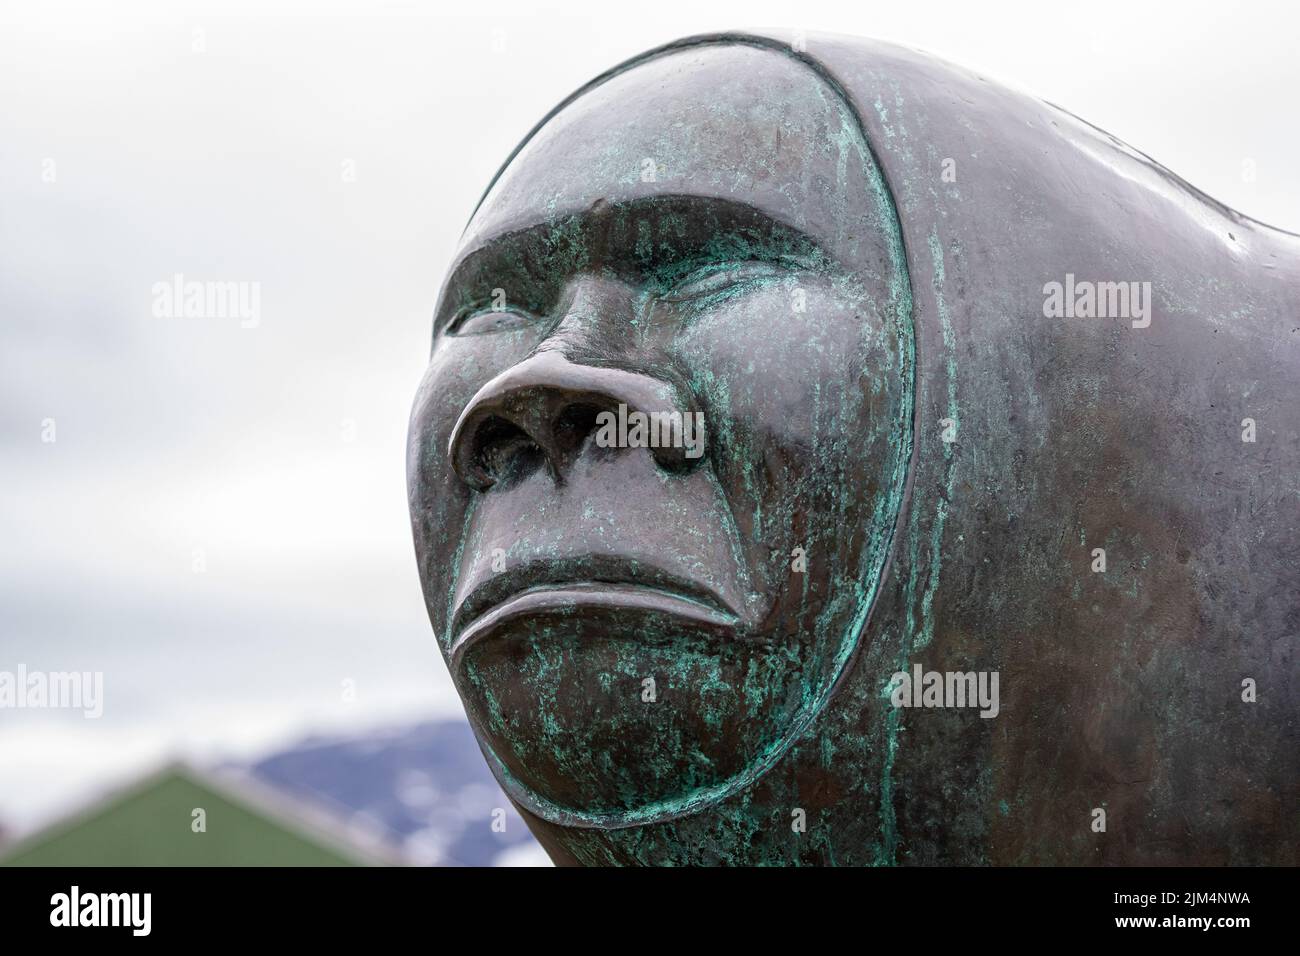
(543, 410)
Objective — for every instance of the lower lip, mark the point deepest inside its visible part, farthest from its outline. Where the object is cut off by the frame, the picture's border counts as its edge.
(580, 597)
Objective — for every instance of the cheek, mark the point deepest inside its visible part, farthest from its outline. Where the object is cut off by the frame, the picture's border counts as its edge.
(458, 368)
(438, 499)
(794, 396)
(781, 377)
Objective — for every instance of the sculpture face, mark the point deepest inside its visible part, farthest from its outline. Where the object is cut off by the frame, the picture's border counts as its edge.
(665, 655)
(637, 631)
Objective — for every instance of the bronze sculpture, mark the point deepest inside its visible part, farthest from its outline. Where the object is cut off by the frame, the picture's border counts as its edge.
(983, 393)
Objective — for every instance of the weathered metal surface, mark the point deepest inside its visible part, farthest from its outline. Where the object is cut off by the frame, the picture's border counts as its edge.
(843, 259)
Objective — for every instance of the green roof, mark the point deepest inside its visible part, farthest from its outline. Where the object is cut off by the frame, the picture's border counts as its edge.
(151, 824)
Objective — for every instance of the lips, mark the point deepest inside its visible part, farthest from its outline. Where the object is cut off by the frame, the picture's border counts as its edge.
(554, 593)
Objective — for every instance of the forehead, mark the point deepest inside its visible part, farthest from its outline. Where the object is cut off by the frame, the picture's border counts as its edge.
(736, 123)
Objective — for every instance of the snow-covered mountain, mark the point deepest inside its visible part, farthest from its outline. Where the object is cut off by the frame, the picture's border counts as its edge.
(425, 788)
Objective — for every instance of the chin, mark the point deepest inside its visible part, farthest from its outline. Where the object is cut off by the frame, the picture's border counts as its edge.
(632, 718)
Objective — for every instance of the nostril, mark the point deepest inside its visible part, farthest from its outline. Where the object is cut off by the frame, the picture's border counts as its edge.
(546, 412)
(504, 453)
(573, 426)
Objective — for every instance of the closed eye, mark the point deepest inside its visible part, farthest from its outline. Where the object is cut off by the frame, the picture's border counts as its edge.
(485, 321)
(723, 279)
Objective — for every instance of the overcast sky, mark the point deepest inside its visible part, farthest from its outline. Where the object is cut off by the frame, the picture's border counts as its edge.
(220, 525)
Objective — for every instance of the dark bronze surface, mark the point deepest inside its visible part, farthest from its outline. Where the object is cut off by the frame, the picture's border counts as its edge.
(915, 447)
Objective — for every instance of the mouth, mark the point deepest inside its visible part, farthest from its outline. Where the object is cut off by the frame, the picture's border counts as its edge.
(479, 620)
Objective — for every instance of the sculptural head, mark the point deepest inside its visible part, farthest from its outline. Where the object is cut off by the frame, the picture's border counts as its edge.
(639, 630)
(838, 258)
